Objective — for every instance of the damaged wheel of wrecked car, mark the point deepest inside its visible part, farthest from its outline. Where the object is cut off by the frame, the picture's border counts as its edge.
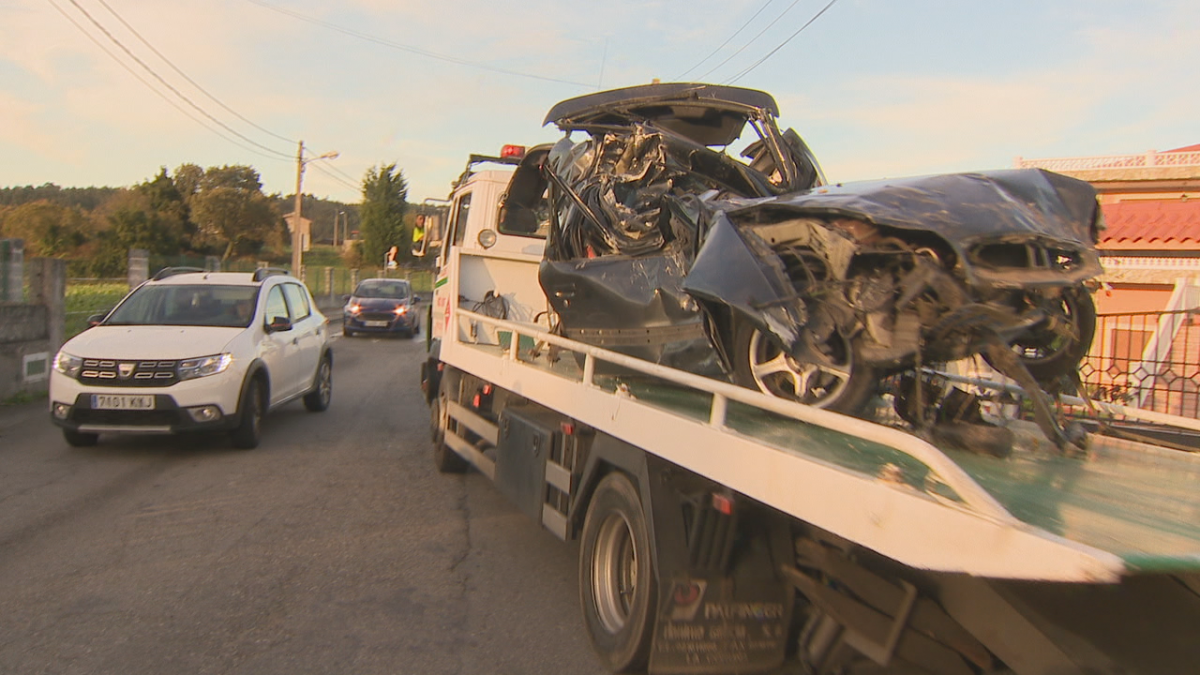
(1053, 348)
(832, 377)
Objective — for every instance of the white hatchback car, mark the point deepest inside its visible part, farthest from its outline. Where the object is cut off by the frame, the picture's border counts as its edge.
(195, 351)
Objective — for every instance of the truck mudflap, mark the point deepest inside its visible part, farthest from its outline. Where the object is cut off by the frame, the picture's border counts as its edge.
(723, 605)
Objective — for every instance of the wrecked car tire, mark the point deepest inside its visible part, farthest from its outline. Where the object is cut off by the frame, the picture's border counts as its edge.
(843, 384)
(1054, 348)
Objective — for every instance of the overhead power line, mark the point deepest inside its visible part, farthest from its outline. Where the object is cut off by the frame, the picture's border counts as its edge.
(332, 173)
(169, 86)
(771, 53)
(190, 80)
(752, 40)
(679, 77)
(410, 49)
(154, 89)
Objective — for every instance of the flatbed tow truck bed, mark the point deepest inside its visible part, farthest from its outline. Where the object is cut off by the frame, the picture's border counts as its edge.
(1121, 508)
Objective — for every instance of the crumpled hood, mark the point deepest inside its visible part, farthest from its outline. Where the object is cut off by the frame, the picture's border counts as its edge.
(150, 342)
(962, 207)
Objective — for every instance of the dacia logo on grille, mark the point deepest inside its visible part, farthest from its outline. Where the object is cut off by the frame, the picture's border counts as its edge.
(125, 370)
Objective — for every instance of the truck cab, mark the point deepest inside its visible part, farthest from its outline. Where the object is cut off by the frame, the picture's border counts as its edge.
(496, 228)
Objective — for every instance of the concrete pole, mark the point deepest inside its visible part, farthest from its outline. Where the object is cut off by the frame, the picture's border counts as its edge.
(47, 285)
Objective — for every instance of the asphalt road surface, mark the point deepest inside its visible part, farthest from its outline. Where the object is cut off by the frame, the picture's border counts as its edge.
(335, 547)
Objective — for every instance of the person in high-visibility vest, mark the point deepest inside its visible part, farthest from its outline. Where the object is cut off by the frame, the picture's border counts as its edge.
(418, 229)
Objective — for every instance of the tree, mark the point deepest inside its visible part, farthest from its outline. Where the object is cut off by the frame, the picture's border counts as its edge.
(49, 230)
(131, 219)
(167, 201)
(228, 207)
(384, 202)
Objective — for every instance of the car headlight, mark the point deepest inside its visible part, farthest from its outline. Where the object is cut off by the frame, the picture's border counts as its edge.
(68, 365)
(401, 310)
(354, 308)
(190, 369)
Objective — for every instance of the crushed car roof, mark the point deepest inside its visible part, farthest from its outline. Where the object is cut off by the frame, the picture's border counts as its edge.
(708, 114)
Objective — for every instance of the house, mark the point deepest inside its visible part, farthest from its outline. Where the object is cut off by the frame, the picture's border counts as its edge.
(1146, 350)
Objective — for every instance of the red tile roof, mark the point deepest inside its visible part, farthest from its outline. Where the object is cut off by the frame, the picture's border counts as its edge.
(1152, 225)
(1190, 148)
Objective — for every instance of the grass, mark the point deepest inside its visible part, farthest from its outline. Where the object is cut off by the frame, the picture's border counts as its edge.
(85, 299)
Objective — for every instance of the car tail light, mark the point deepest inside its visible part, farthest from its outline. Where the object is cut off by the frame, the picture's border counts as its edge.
(512, 151)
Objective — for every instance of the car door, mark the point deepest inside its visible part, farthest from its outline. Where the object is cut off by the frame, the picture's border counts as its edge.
(308, 329)
(279, 348)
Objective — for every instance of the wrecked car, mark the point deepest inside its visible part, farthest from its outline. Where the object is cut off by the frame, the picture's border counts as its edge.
(664, 245)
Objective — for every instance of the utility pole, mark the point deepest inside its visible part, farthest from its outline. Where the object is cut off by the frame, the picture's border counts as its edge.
(297, 239)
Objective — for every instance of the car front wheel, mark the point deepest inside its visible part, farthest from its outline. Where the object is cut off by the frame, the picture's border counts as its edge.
(248, 432)
(835, 379)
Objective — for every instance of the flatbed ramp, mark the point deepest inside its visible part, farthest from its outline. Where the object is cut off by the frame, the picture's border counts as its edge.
(1122, 508)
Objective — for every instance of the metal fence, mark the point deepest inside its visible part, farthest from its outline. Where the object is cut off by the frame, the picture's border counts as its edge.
(1149, 360)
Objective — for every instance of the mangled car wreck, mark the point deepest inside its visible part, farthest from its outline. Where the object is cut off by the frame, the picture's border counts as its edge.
(664, 246)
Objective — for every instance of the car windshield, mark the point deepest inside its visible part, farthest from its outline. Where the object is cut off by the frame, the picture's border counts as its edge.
(382, 289)
(187, 305)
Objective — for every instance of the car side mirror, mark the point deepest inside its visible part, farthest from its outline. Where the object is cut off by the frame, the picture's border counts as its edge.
(345, 299)
(416, 299)
(96, 319)
(279, 324)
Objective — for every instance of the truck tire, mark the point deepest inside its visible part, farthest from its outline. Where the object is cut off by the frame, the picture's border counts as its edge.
(616, 576)
(445, 459)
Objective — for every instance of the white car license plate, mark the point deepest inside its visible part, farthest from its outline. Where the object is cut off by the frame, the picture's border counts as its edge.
(122, 402)
(375, 324)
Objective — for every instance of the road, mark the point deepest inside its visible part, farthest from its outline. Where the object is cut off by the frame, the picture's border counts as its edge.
(335, 547)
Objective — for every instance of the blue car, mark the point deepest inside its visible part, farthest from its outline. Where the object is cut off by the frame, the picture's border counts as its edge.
(381, 306)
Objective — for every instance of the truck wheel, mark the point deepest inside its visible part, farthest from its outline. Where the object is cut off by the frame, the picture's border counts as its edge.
(616, 576)
(445, 459)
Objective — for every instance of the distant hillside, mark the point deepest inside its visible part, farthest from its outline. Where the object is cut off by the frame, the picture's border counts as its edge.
(86, 199)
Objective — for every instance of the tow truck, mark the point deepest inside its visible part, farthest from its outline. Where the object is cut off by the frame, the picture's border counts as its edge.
(722, 530)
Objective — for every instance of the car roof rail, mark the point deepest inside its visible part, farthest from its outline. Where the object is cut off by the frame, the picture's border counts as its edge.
(172, 271)
(264, 272)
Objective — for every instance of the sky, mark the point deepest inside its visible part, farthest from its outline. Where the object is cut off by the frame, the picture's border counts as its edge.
(105, 92)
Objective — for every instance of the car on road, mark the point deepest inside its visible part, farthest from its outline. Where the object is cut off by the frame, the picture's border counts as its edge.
(381, 306)
(191, 350)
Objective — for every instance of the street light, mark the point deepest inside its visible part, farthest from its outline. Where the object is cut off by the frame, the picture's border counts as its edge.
(340, 216)
(297, 238)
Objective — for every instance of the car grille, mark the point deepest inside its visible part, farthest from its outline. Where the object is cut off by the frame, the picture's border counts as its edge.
(136, 418)
(377, 316)
(127, 373)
